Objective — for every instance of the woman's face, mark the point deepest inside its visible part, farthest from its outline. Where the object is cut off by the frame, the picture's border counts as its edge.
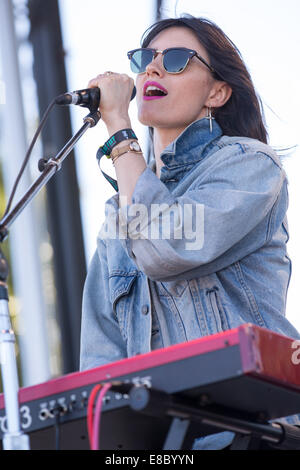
(187, 91)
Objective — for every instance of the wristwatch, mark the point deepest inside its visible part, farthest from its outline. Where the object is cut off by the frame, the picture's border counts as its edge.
(133, 146)
(123, 134)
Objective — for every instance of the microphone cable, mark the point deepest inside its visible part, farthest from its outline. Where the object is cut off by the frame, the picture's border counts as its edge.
(57, 425)
(28, 153)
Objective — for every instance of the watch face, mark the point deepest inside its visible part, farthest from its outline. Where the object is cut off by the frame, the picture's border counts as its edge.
(135, 146)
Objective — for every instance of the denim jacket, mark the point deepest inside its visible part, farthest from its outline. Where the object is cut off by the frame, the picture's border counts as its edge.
(236, 269)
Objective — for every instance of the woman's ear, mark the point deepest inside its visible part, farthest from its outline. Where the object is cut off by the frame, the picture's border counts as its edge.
(220, 94)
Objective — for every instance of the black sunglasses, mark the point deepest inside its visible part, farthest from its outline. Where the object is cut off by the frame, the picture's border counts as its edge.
(175, 59)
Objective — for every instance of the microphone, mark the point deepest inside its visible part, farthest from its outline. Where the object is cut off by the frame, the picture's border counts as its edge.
(88, 98)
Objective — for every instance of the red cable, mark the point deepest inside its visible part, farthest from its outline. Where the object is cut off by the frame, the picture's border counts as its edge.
(96, 423)
(90, 410)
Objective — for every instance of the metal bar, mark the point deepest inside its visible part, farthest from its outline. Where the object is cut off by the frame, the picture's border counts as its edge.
(51, 168)
(176, 434)
(156, 403)
(13, 438)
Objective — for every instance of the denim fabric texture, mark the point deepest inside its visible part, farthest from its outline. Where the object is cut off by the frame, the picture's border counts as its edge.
(239, 273)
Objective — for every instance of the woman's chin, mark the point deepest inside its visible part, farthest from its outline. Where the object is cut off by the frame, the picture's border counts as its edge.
(152, 119)
(149, 114)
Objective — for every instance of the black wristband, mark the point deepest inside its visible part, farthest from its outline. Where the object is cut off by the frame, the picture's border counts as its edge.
(115, 139)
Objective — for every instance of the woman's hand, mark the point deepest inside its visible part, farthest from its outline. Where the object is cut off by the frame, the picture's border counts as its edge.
(116, 91)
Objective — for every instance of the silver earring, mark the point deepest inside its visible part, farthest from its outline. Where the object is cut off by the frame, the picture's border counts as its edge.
(210, 117)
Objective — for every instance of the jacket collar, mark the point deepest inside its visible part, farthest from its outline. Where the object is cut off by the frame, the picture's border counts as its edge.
(191, 145)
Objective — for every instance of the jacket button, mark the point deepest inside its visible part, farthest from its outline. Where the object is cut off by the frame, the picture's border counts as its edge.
(145, 309)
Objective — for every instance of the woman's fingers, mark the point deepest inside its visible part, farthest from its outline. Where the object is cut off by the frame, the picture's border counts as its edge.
(116, 91)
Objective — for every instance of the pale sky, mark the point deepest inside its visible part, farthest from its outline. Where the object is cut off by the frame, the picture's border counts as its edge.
(268, 36)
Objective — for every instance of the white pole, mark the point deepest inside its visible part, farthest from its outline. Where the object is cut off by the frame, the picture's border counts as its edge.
(26, 267)
(13, 437)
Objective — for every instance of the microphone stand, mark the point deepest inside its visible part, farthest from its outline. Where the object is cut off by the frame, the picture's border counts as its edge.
(14, 438)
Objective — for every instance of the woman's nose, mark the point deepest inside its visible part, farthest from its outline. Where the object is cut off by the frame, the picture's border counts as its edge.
(156, 66)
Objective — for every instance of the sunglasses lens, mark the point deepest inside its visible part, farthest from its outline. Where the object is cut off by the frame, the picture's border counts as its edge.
(140, 59)
(176, 60)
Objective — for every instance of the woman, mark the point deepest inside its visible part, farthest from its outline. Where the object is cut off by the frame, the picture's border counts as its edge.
(199, 236)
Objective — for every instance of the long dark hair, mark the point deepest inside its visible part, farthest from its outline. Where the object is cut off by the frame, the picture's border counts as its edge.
(243, 114)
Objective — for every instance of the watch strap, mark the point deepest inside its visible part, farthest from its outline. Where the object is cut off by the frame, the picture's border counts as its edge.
(117, 152)
(124, 134)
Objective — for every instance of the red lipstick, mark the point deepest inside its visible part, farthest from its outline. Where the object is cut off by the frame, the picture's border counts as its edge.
(154, 87)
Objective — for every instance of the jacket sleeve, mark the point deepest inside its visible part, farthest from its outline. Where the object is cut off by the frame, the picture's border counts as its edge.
(224, 215)
(101, 339)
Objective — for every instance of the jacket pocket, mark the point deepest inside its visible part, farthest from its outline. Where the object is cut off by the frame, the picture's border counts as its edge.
(172, 288)
(217, 310)
(121, 285)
